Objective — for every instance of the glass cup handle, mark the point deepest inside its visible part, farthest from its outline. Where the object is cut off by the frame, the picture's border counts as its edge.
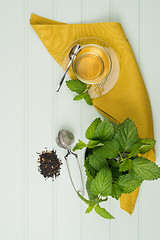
(76, 156)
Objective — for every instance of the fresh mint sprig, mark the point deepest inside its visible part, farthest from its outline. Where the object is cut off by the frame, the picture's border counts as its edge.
(80, 88)
(114, 162)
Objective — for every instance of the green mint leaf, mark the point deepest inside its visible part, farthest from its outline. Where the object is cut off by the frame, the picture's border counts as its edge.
(134, 150)
(109, 150)
(146, 144)
(79, 97)
(104, 131)
(80, 145)
(127, 134)
(127, 183)
(103, 212)
(87, 98)
(145, 169)
(116, 192)
(90, 171)
(91, 128)
(90, 194)
(126, 165)
(97, 161)
(89, 209)
(76, 86)
(93, 144)
(102, 183)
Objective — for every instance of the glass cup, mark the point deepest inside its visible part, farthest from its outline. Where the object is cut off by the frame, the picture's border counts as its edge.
(92, 64)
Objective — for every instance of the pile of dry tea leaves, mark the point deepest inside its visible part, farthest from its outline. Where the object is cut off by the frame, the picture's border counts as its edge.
(49, 164)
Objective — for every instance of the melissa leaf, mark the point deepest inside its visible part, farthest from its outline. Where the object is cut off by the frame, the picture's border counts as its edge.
(76, 86)
(79, 97)
(90, 194)
(90, 171)
(103, 212)
(87, 98)
(146, 144)
(104, 131)
(102, 183)
(97, 161)
(109, 150)
(80, 145)
(91, 128)
(93, 144)
(116, 192)
(126, 165)
(90, 208)
(145, 169)
(134, 150)
(127, 183)
(127, 135)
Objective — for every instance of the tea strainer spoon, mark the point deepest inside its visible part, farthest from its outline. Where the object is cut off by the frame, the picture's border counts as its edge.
(72, 54)
(64, 140)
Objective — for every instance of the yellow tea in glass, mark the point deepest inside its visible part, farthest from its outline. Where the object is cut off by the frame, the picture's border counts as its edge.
(92, 64)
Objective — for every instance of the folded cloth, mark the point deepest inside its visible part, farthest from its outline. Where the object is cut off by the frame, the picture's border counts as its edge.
(128, 98)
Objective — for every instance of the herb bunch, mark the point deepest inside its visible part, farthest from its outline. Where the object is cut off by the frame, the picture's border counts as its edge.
(81, 89)
(114, 162)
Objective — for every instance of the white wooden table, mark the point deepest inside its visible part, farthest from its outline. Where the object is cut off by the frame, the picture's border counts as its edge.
(32, 113)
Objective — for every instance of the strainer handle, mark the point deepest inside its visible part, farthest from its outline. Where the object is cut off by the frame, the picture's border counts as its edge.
(82, 183)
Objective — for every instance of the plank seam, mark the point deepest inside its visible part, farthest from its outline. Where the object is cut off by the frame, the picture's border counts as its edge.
(26, 114)
(54, 127)
(139, 58)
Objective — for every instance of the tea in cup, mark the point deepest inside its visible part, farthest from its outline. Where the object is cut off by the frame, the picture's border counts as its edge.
(92, 64)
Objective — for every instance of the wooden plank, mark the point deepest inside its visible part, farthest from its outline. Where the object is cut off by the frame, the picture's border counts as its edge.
(68, 11)
(54, 132)
(127, 13)
(12, 177)
(93, 225)
(149, 60)
(39, 127)
(68, 115)
(95, 11)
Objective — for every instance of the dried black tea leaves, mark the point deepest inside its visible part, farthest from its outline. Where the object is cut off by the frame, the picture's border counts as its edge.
(49, 164)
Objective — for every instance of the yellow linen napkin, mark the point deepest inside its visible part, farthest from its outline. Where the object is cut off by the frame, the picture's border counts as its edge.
(128, 98)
